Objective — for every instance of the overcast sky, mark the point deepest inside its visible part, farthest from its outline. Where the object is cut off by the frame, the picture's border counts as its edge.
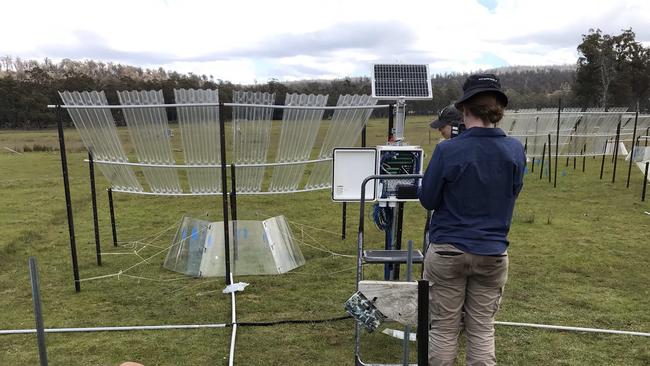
(250, 40)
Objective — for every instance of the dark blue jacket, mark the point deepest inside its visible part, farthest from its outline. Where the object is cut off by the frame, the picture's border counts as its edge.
(472, 182)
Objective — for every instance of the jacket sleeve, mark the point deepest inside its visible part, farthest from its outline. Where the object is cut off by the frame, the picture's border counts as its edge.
(430, 191)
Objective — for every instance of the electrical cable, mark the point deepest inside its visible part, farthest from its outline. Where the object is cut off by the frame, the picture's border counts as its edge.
(292, 321)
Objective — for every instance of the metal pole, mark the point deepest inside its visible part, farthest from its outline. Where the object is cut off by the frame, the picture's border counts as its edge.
(549, 158)
(111, 210)
(391, 119)
(645, 181)
(618, 136)
(68, 202)
(93, 195)
(36, 300)
(602, 163)
(399, 211)
(532, 169)
(233, 209)
(541, 168)
(363, 136)
(557, 140)
(344, 209)
(584, 157)
(629, 168)
(224, 190)
(423, 323)
(407, 329)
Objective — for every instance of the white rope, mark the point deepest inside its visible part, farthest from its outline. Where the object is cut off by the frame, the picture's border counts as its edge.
(573, 329)
(144, 260)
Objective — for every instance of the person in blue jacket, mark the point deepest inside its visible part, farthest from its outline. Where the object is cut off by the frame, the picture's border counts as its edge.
(471, 183)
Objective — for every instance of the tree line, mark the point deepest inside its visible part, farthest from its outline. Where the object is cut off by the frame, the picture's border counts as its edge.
(612, 70)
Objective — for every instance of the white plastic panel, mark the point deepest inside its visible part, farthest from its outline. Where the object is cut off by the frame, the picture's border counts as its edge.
(299, 130)
(99, 134)
(200, 136)
(351, 167)
(251, 138)
(150, 135)
(344, 130)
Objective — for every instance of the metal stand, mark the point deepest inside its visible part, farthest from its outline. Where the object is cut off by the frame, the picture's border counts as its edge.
(549, 158)
(541, 168)
(233, 209)
(629, 168)
(224, 190)
(93, 195)
(381, 257)
(602, 163)
(423, 323)
(68, 202)
(615, 158)
(38, 315)
(111, 210)
(344, 208)
(557, 141)
(645, 181)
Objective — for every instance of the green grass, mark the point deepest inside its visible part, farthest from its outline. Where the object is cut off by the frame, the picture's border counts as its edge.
(579, 256)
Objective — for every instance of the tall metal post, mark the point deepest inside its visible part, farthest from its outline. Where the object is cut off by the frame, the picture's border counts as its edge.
(344, 209)
(111, 210)
(93, 196)
(224, 190)
(233, 209)
(549, 158)
(68, 201)
(602, 163)
(423, 323)
(391, 122)
(398, 215)
(532, 166)
(557, 140)
(541, 168)
(38, 314)
(645, 181)
(629, 168)
(618, 137)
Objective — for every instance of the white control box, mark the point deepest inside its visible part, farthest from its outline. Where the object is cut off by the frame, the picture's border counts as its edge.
(352, 165)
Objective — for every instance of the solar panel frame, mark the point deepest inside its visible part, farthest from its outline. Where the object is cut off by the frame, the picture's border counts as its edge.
(401, 81)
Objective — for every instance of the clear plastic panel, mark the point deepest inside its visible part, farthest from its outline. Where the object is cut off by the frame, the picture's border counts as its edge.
(99, 134)
(258, 248)
(344, 130)
(252, 131)
(186, 252)
(150, 136)
(200, 136)
(299, 130)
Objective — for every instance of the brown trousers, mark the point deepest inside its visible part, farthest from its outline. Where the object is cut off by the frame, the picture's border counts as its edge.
(460, 282)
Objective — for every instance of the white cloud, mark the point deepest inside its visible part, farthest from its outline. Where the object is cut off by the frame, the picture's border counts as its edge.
(243, 41)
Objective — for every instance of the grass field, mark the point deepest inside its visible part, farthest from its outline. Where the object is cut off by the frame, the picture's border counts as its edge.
(579, 253)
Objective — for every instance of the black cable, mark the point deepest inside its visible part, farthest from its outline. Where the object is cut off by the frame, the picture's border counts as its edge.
(291, 321)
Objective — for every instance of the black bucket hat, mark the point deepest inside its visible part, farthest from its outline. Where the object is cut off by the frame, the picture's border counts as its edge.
(482, 83)
(446, 116)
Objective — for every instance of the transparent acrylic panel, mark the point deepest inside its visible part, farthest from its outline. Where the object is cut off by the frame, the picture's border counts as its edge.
(299, 130)
(344, 130)
(149, 132)
(259, 248)
(99, 134)
(200, 136)
(186, 252)
(252, 134)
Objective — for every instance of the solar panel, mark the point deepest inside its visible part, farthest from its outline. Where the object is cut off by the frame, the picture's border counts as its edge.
(401, 82)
